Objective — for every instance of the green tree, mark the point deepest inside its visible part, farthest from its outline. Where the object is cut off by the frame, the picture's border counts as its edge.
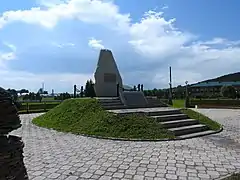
(228, 91)
(89, 89)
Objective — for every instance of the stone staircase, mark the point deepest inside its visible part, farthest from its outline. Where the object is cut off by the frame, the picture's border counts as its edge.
(134, 100)
(172, 119)
(154, 102)
(111, 103)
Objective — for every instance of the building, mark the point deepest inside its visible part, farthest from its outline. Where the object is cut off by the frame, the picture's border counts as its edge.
(211, 88)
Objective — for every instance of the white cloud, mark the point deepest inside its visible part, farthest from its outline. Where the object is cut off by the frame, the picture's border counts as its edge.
(61, 45)
(95, 44)
(6, 56)
(154, 37)
(90, 11)
(164, 7)
(10, 46)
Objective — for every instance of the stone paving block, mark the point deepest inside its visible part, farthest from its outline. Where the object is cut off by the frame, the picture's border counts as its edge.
(118, 175)
(72, 178)
(208, 156)
(86, 175)
(203, 176)
(37, 173)
(138, 177)
(39, 178)
(99, 172)
(54, 175)
(105, 178)
(171, 176)
(150, 174)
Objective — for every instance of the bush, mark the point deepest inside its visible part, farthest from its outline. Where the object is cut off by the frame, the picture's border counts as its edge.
(216, 102)
(228, 91)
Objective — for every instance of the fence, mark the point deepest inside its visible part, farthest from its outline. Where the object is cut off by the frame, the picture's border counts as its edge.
(29, 107)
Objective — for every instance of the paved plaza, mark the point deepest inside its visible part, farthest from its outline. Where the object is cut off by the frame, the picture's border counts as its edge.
(55, 155)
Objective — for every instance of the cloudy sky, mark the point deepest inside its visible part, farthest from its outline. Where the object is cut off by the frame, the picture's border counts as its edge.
(58, 41)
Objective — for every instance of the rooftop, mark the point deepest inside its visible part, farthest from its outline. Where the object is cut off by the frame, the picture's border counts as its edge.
(209, 84)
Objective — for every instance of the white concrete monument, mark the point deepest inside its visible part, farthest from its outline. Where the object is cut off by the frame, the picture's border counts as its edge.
(107, 75)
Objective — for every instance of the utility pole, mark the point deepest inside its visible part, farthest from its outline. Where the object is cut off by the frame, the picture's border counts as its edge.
(170, 87)
(74, 91)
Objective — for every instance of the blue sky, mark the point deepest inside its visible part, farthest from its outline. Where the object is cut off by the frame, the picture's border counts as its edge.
(58, 41)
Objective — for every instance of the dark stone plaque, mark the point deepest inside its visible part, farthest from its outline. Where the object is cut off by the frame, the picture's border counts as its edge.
(110, 77)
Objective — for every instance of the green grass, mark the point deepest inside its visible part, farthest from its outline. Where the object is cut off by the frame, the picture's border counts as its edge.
(178, 103)
(86, 116)
(233, 177)
(213, 125)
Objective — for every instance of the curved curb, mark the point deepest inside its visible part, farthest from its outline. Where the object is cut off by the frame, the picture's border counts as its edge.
(227, 176)
(129, 139)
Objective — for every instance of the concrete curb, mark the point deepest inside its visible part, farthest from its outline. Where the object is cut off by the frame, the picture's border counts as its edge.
(227, 176)
(129, 139)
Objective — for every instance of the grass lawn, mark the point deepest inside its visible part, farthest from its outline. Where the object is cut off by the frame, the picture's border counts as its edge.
(233, 177)
(86, 116)
(213, 125)
(178, 103)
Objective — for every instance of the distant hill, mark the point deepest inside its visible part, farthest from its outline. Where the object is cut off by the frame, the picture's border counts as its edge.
(225, 78)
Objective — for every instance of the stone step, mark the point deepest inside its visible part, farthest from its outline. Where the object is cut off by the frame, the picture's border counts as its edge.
(197, 134)
(156, 105)
(170, 117)
(111, 103)
(110, 107)
(179, 131)
(179, 123)
(164, 112)
(108, 100)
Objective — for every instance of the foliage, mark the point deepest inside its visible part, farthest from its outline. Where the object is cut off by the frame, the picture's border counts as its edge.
(157, 92)
(216, 102)
(89, 89)
(13, 93)
(187, 103)
(178, 103)
(23, 91)
(179, 92)
(213, 125)
(63, 96)
(228, 91)
(86, 116)
(32, 96)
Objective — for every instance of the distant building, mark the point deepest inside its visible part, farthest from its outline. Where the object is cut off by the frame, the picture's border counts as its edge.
(211, 88)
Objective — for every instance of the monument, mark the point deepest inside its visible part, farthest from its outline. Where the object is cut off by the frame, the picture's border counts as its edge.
(107, 75)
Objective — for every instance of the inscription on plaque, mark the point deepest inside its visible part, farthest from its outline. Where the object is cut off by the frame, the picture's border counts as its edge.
(109, 77)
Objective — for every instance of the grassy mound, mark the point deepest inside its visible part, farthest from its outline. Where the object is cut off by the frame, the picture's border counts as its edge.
(213, 125)
(86, 116)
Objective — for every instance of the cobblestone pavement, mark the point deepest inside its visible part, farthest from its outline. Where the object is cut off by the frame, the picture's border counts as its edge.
(55, 155)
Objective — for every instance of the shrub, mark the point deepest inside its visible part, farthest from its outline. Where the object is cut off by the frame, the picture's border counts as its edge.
(228, 91)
